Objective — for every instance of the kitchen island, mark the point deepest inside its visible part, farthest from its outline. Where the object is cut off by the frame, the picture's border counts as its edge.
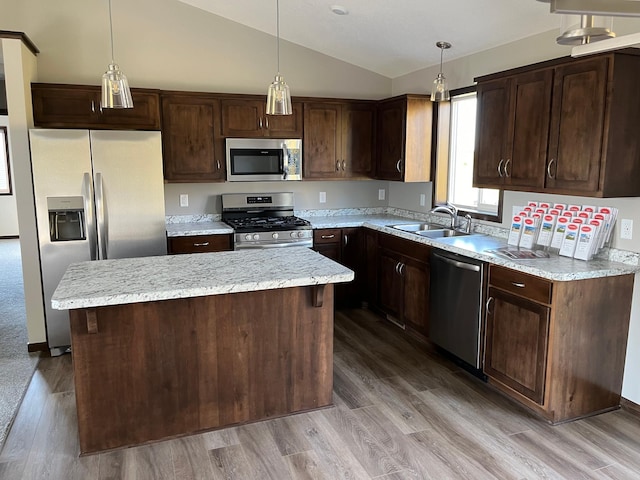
(173, 345)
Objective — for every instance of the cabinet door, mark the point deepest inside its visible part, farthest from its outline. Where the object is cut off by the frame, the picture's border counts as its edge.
(357, 140)
(577, 123)
(243, 118)
(390, 135)
(322, 140)
(390, 286)
(285, 126)
(369, 267)
(200, 244)
(416, 294)
(61, 106)
(517, 333)
(145, 114)
(493, 127)
(192, 149)
(526, 160)
(353, 258)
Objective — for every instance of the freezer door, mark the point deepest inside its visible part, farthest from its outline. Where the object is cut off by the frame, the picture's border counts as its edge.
(61, 166)
(129, 189)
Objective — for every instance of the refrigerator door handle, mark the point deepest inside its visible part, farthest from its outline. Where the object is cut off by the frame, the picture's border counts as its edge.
(89, 215)
(101, 214)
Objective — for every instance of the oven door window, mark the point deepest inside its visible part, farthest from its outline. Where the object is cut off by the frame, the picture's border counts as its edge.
(257, 162)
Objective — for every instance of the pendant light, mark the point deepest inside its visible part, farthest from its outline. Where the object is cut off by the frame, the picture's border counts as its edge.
(115, 87)
(279, 97)
(440, 91)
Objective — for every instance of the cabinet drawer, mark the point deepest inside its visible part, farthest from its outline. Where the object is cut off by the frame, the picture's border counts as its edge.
(533, 288)
(327, 235)
(200, 244)
(405, 247)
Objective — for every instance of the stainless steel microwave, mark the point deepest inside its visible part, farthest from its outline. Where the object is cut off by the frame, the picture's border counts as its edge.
(263, 159)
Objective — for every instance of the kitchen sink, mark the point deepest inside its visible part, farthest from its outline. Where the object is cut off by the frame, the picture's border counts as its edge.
(417, 227)
(442, 233)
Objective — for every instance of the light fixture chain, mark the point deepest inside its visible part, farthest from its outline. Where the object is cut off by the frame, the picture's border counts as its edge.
(111, 33)
(277, 33)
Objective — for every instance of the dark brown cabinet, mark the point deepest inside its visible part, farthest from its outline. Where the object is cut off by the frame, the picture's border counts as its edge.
(78, 106)
(345, 246)
(246, 117)
(565, 126)
(404, 129)
(192, 144)
(338, 140)
(200, 244)
(403, 282)
(558, 347)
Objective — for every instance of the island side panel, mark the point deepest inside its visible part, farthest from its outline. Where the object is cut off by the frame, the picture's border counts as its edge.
(159, 369)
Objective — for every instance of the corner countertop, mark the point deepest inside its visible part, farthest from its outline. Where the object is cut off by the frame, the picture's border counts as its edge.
(145, 279)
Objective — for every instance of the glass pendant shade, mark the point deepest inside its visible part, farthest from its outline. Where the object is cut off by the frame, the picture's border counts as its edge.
(115, 89)
(440, 91)
(279, 98)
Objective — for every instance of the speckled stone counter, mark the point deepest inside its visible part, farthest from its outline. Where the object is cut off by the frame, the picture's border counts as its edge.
(133, 280)
(197, 228)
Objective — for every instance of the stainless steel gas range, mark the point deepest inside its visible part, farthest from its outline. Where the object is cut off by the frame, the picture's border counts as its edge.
(265, 220)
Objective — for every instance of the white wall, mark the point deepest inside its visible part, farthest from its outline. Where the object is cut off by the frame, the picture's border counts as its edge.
(8, 207)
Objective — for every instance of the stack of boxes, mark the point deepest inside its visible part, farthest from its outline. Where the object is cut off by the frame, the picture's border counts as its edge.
(577, 231)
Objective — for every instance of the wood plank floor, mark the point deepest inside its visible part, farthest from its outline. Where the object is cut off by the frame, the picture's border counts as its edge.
(400, 412)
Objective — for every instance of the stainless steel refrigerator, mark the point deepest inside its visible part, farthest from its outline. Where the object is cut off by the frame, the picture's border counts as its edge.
(98, 195)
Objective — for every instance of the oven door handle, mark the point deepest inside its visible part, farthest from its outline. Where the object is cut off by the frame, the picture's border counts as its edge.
(308, 244)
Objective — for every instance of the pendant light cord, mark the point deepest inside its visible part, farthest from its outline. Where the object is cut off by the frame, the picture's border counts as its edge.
(111, 32)
(441, 52)
(277, 33)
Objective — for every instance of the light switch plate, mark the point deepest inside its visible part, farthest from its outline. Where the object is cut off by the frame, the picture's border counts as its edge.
(626, 229)
(184, 200)
(323, 197)
(381, 194)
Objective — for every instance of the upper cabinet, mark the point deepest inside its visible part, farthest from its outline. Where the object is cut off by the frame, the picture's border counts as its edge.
(246, 117)
(404, 138)
(338, 140)
(564, 126)
(78, 106)
(192, 144)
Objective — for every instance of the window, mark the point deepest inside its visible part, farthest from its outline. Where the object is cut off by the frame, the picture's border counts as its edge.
(454, 160)
(5, 173)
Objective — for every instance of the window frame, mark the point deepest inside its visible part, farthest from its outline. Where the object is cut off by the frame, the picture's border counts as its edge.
(4, 138)
(440, 161)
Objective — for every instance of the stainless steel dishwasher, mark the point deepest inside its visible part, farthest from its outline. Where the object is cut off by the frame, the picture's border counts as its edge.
(457, 300)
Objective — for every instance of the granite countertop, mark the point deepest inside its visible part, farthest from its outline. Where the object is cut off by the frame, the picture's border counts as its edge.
(197, 228)
(145, 279)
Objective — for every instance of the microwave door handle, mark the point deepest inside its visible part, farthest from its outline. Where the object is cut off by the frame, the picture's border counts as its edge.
(285, 156)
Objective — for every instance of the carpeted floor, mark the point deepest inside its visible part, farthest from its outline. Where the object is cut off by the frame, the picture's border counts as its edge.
(16, 364)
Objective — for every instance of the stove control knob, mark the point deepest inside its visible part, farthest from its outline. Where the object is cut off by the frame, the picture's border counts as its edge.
(293, 234)
(247, 236)
(274, 235)
(256, 236)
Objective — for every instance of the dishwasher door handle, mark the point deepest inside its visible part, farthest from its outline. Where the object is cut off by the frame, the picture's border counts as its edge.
(456, 263)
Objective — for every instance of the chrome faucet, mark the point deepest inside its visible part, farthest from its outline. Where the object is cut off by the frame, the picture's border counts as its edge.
(450, 209)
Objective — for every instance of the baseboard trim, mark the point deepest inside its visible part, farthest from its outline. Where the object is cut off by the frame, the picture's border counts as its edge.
(630, 406)
(38, 347)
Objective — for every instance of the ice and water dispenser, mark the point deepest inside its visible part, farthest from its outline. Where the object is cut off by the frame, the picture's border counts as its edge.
(66, 218)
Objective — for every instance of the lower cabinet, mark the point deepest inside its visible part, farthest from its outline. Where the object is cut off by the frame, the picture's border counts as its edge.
(403, 282)
(199, 244)
(557, 347)
(345, 246)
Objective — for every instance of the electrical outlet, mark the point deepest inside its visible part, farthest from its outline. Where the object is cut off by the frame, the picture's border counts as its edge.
(323, 197)
(626, 228)
(381, 194)
(423, 199)
(184, 200)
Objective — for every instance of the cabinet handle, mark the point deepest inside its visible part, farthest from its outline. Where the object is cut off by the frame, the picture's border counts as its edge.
(489, 300)
(260, 123)
(218, 163)
(337, 165)
(93, 106)
(343, 164)
(346, 240)
(266, 122)
(203, 244)
(500, 168)
(549, 168)
(398, 268)
(518, 284)
(326, 237)
(401, 271)
(506, 171)
(398, 166)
